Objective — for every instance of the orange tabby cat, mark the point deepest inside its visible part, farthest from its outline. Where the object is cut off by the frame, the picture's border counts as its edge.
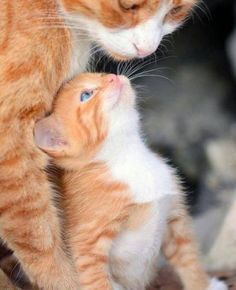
(118, 195)
(42, 44)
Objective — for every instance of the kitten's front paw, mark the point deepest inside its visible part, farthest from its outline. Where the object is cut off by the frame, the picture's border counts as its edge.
(217, 285)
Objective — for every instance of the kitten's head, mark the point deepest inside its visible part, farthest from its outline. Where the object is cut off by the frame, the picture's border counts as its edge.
(88, 110)
(128, 28)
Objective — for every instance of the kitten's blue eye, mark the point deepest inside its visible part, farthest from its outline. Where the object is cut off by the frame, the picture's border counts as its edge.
(86, 95)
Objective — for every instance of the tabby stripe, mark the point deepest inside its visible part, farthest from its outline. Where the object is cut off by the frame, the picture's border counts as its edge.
(4, 45)
(29, 212)
(83, 127)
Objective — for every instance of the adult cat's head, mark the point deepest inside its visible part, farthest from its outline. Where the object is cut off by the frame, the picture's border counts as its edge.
(128, 28)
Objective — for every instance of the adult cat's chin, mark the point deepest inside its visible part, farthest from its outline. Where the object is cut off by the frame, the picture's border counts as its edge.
(121, 57)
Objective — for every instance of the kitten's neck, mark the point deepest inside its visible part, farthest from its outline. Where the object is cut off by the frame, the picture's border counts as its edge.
(120, 147)
(131, 162)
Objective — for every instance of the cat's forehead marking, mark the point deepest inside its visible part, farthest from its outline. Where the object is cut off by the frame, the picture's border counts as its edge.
(113, 13)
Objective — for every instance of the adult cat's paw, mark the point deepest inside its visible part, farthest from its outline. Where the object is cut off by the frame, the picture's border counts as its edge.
(217, 285)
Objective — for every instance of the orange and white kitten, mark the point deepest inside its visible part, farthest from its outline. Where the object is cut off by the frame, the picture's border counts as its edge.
(43, 43)
(122, 202)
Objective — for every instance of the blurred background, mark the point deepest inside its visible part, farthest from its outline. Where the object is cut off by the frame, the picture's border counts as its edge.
(188, 105)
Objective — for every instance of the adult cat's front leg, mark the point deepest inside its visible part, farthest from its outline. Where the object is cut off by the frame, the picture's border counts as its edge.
(28, 218)
(33, 64)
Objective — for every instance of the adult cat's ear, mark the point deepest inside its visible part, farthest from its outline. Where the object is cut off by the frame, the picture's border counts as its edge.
(49, 137)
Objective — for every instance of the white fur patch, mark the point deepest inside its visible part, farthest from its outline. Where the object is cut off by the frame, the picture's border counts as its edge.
(146, 36)
(80, 54)
(130, 160)
(139, 249)
(80, 46)
(217, 285)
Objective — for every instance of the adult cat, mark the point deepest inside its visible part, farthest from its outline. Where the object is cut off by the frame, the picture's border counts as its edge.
(39, 50)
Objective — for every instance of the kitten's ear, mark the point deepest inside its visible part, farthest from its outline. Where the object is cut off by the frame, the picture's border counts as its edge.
(49, 137)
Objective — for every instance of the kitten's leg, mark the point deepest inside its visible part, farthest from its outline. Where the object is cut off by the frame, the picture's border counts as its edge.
(90, 237)
(91, 249)
(182, 253)
(28, 219)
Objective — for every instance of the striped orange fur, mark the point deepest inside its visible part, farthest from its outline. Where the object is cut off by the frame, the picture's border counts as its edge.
(30, 75)
(39, 51)
(106, 227)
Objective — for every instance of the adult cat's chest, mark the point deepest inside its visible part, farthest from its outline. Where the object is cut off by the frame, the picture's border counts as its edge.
(80, 49)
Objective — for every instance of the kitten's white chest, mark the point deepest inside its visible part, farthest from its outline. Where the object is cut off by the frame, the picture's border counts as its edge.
(138, 250)
(149, 178)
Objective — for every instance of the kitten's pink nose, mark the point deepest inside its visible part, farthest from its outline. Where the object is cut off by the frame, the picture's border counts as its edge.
(111, 78)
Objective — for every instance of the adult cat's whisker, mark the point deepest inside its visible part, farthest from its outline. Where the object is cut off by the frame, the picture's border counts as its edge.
(148, 73)
(59, 25)
(202, 6)
(151, 75)
(139, 66)
(120, 67)
(126, 67)
(52, 14)
(196, 13)
(91, 66)
(130, 69)
(165, 49)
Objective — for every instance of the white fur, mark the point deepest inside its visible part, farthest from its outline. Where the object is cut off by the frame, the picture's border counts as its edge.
(145, 36)
(80, 54)
(139, 249)
(80, 47)
(130, 160)
(150, 179)
(217, 285)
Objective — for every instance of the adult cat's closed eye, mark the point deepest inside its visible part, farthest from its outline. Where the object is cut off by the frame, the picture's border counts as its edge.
(128, 28)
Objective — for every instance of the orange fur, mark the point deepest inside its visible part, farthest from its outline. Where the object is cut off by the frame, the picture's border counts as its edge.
(180, 10)
(34, 63)
(101, 207)
(180, 249)
(97, 207)
(120, 13)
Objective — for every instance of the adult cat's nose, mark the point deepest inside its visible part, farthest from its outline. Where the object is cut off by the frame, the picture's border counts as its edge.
(141, 52)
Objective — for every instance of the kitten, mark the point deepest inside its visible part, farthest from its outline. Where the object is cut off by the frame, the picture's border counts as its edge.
(122, 202)
(41, 46)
